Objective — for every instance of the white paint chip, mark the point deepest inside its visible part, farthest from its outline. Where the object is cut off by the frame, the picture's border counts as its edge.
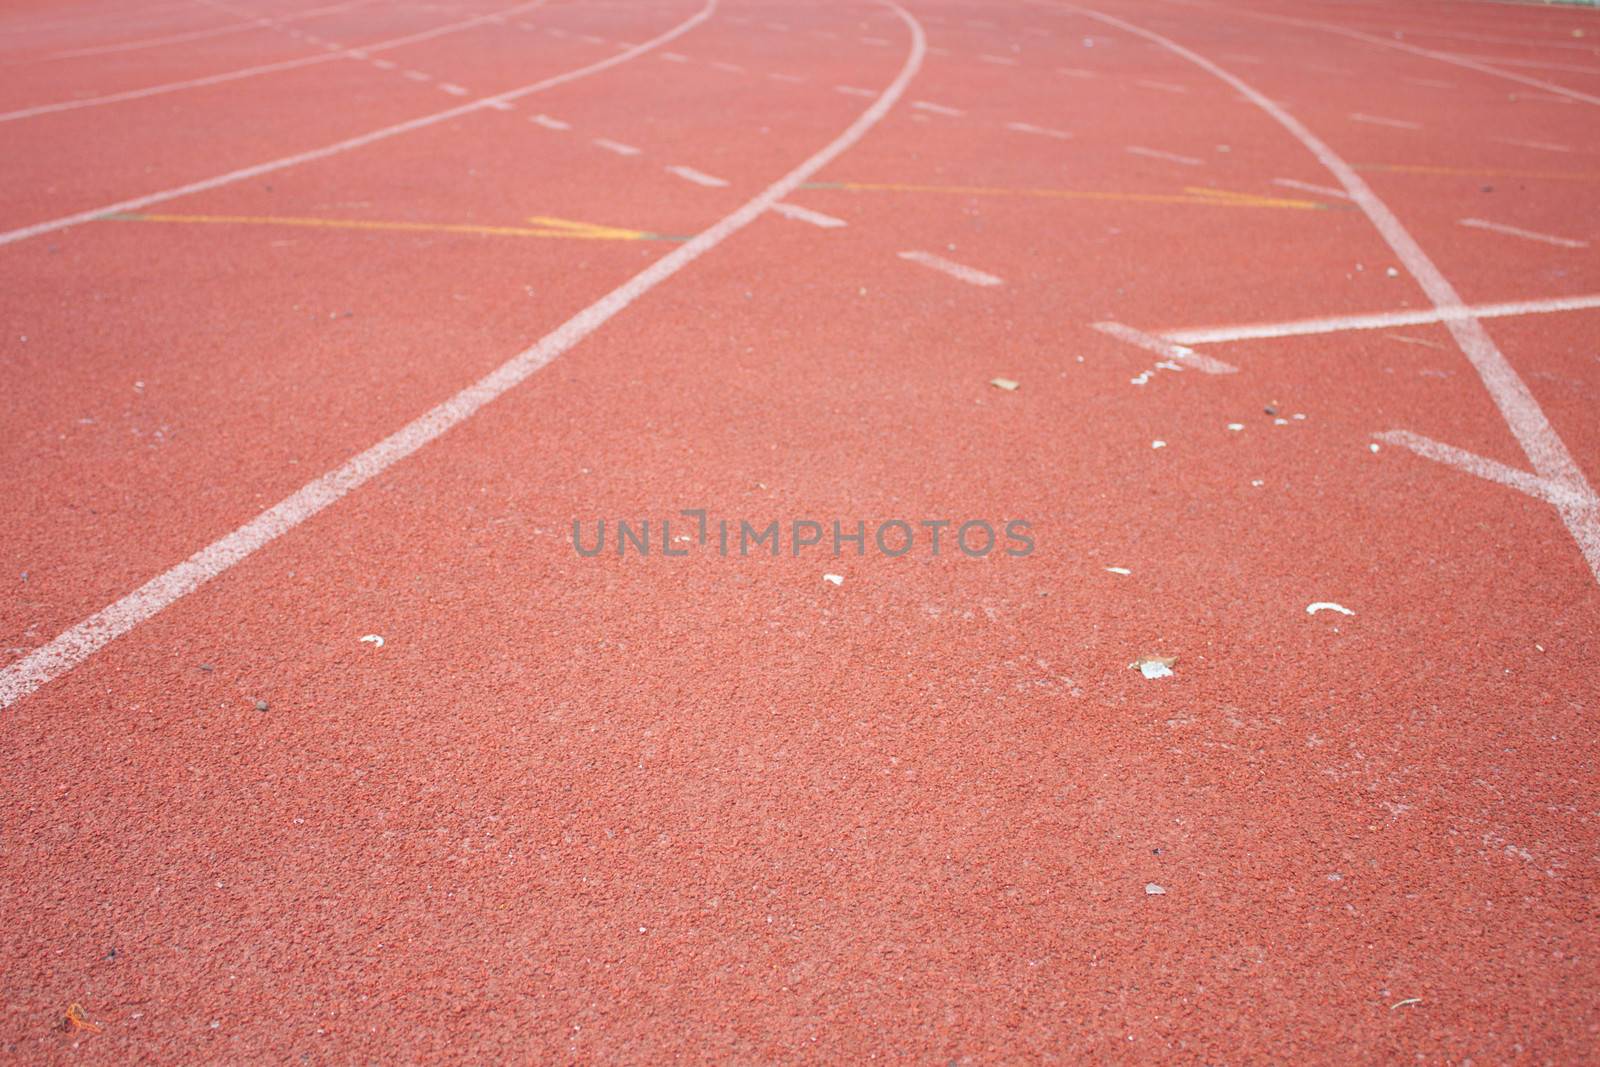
(373, 639)
(1170, 157)
(836, 579)
(1327, 605)
(549, 123)
(615, 146)
(1153, 890)
(1119, 570)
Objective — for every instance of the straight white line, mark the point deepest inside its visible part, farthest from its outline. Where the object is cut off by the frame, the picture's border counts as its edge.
(1165, 348)
(955, 270)
(500, 105)
(1004, 61)
(453, 89)
(615, 146)
(384, 64)
(92, 634)
(195, 35)
(1483, 467)
(1376, 120)
(1028, 127)
(851, 90)
(1308, 187)
(710, 181)
(1171, 157)
(1165, 87)
(938, 109)
(246, 173)
(419, 76)
(1531, 235)
(1545, 146)
(1524, 417)
(549, 123)
(248, 72)
(805, 214)
(1206, 335)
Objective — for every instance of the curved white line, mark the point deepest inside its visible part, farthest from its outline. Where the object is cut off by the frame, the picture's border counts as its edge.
(266, 68)
(1526, 420)
(134, 204)
(89, 636)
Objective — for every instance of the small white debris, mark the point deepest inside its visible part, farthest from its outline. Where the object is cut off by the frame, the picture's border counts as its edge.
(1391, 272)
(1158, 444)
(836, 579)
(1236, 426)
(1119, 570)
(1008, 384)
(1153, 890)
(1257, 482)
(1280, 422)
(1373, 446)
(1300, 416)
(1327, 605)
(372, 639)
(1154, 666)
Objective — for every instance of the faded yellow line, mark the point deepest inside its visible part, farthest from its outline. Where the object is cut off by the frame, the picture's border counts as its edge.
(1483, 172)
(1211, 198)
(549, 227)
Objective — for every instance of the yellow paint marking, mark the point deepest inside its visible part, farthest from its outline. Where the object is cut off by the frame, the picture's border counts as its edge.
(1477, 172)
(1210, 199)
(1251, 199)
(548, 227)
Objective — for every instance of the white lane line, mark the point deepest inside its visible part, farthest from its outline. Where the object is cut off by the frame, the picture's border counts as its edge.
(419, 76)
(453, 89)
(1531, 235)
(805, 214)
(1521, 411)
(851, 90)
(1544, 146)
(1042, 131)
(195, 35)
(1443, 57)
(92, 634)
(1166, 348)
(1003, 61)
(1165, 87)
(247, 72)
(699, 177)
(1483, 467)
(955, 270)
(1206, 335)
(549, 123)
(246, 173)
(1308, 187)
(938, 109)
(1170, 157)
(500, 105)
(1378, 120)
(615, 146)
